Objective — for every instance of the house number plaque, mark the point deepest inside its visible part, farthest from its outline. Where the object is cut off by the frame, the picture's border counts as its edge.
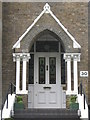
(83, 73)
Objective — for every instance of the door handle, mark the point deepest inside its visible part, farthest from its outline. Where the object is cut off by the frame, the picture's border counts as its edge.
(47, 67)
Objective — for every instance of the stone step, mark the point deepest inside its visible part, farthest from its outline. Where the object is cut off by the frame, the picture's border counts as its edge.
(47, 118)
(38, 114)
(46, 111)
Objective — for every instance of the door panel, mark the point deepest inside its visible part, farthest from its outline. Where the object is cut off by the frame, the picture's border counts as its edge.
(41, 70)
(52, 97)
(47, 88)
(41, 97)
(52, 70)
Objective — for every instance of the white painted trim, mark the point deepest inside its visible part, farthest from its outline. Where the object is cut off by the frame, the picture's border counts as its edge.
(47, 10)
(71, 92)
(22, 92)
(73, 53)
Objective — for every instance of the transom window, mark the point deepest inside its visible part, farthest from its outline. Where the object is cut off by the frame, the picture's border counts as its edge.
(45, 46)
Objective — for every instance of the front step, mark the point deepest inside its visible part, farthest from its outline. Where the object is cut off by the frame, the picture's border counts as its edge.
(44, 114)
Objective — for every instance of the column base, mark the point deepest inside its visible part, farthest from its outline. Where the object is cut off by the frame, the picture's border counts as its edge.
(22, 92)
(71, 92)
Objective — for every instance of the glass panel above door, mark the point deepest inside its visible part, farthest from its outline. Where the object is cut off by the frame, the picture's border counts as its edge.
(47, 46)
(31, 69)
(52, 70)
(41, 70)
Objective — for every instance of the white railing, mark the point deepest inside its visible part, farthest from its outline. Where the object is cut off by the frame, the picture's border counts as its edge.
(6, 112)
(83, 103)
(7, 105)
(83, 107)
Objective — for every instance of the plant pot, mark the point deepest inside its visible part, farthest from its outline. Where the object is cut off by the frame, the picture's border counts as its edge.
(74, 106)
(8, 119)
(18, 106)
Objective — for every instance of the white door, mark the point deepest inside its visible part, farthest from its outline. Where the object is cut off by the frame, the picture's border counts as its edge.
(47, 84)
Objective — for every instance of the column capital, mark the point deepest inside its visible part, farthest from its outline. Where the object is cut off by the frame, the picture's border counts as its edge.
(76, 57)
(21, 56)
(16, 57)
(67, 57)
(72, 56)
(25, 57)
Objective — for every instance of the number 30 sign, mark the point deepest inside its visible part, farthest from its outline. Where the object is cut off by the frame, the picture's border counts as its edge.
(83, 73)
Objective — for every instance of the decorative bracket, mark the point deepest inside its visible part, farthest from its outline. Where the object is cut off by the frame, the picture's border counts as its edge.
(46, 8)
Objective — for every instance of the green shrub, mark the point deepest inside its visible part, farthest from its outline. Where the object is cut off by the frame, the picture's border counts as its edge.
(19, 98)
(73, 99)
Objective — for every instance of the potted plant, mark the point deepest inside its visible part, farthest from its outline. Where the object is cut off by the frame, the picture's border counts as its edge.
(73, 103)
(18, 103)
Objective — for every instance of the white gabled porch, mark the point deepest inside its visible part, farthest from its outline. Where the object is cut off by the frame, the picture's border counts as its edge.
(70, 54)
(46, 89)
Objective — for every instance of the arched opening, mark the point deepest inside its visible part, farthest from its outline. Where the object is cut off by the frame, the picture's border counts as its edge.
(47, 41)
(46, 71)
(47, 36)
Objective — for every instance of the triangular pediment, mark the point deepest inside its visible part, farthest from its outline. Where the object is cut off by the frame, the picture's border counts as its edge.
(47, 10)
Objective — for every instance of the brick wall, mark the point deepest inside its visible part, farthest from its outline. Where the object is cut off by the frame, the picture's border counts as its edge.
(0, 53)
(18, 16)
(89, 52)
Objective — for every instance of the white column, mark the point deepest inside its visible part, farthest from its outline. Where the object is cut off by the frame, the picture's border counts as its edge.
(67, 57)
(17, 74)
(75, 74)
(76, 58)
(69, 74)
(25, 58)
(24, 74)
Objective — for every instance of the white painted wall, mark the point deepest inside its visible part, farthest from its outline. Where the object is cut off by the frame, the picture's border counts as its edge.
(84, 112)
